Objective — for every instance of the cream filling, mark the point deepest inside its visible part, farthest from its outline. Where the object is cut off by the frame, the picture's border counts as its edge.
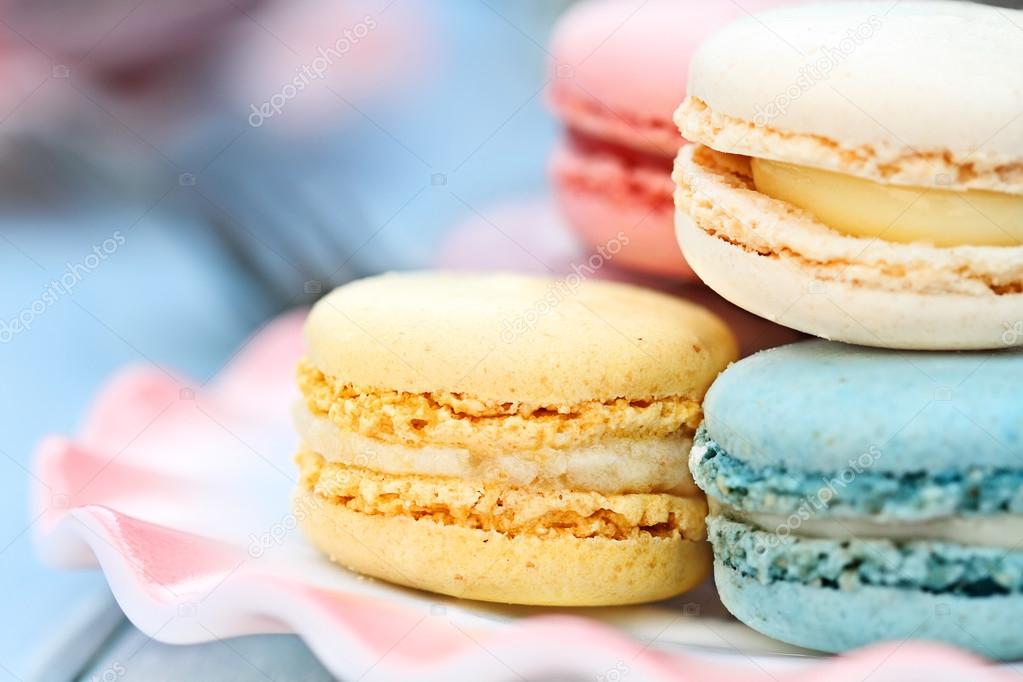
(612, 466)
(895, 213)
(1002, 531)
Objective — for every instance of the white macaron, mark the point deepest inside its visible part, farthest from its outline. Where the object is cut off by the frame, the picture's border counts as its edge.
(858, 172)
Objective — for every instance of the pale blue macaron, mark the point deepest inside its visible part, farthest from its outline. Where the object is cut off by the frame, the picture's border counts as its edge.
(860, 495)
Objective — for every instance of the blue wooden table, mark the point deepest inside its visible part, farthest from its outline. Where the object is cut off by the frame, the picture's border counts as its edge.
(97, 643)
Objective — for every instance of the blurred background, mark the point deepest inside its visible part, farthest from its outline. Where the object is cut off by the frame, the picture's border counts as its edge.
(175, 174)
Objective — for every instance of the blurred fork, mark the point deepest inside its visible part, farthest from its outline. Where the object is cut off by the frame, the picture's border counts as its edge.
(291, 242)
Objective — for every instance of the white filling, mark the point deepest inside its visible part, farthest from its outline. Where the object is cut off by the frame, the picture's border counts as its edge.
(1001, 531)
(616, 465)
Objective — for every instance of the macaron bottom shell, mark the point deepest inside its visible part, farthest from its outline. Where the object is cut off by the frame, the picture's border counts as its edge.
(469, 563)
(835, 621)
(836, 595)
(786, 293)
(493, 541)
(782, 263)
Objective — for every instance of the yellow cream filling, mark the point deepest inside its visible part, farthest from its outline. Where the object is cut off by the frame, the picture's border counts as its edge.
(864, 208)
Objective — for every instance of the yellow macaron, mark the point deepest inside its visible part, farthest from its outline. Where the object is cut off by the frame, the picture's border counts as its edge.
(507, 438)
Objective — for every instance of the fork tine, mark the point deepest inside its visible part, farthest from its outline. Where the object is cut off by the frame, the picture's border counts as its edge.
(342, 266)
(269, 212)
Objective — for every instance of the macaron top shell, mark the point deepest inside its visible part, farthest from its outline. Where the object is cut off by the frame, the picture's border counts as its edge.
(817, 406)
(505, 337)
(923, 75)
(620, 67)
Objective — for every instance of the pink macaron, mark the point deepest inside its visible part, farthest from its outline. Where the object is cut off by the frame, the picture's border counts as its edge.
(619, 72)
